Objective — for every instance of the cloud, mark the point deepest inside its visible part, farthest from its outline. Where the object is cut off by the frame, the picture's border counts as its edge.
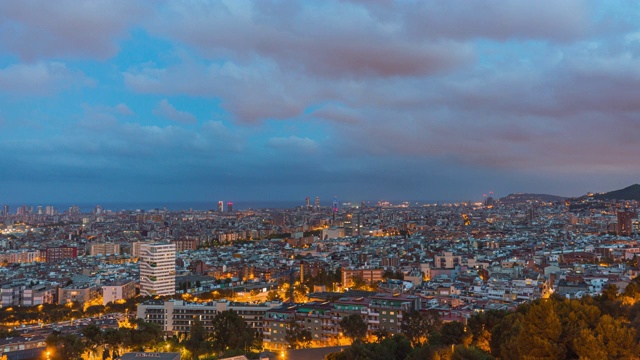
(337, 113)
(249, 93)
(450, 95)
(42, 78)
(326, 38)
(167, 110)
(123, 109)
(293, 144)
(500, 19)
(66, 28)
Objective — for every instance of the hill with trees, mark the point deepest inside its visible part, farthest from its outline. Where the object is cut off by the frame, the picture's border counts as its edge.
(629, 193)
(599, 328)
(519, 198)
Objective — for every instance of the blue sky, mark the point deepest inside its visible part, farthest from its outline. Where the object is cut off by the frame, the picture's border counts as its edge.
(265, 100)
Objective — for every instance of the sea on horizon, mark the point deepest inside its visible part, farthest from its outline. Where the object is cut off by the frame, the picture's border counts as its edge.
(86, 207)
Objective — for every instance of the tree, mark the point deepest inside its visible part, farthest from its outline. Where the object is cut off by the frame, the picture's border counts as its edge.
(469, 353)
(588, 346)
(503, 337)
(353, 327)
(416, 327)
(393, 348)
(297, 335)
(67, 346)
(92, 338)
(114, 339)
(453, 333)
(146, 335)
(611, 339)
(231, 332)
(610, 292)
(381, 334)
(481, 326)
(7, 333)
(94, 310)
(540, 336)
(388, 274)
(274, 295)
(358, 282)
(197, 343)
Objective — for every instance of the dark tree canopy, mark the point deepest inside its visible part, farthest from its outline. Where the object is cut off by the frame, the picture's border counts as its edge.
(231, 332)
(354, 327)
(416, 327)
(197, 343)
(297, 335)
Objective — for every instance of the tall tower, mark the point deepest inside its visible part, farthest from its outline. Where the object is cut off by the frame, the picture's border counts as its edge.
(335, 208)
(307, 203)
(220, 206)
(229, 206)
(317, 203)
(625, 222)
(157, 269)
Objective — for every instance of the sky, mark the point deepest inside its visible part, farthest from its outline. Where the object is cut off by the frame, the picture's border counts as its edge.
(278, 100)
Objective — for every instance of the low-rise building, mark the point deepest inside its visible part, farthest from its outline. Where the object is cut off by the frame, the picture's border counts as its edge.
(176, 316)
(82, 293)
(118, 290)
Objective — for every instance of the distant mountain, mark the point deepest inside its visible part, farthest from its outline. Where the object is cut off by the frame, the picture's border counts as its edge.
(629, 193)
(524, 197)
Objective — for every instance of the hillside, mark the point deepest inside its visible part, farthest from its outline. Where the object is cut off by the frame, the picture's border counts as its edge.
(629, 193)
(525, 197)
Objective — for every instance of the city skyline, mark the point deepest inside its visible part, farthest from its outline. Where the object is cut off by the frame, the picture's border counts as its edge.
(182, 101)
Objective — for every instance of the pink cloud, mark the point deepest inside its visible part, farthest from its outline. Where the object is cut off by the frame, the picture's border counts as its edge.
(42, 29)
(249, 93)
(329, 39)
(500, 19)
(337, 113)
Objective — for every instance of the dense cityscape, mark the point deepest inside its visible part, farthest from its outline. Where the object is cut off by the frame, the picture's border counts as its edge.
(293, 277)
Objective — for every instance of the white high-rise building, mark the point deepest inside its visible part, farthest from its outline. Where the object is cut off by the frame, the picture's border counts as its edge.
(157, 269)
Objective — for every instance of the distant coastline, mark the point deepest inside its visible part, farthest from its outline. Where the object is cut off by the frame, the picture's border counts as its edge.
(86, 207)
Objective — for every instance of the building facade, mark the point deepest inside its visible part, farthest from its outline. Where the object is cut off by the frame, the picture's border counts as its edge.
(176, 316)
(368, 275)
(157, 269)
(118, 290)
(58, 253)
(104, 249)
(82, 293)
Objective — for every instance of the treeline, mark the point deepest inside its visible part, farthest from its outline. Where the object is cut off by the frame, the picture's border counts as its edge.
(49, 313)
(230, 336)
(595, 328)
(94, 342)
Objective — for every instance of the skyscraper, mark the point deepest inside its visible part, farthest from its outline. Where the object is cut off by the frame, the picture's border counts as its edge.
(307, 203)
(317, 203)
(220, 206)
(625, 222)
(157, 269)
(229, 206)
